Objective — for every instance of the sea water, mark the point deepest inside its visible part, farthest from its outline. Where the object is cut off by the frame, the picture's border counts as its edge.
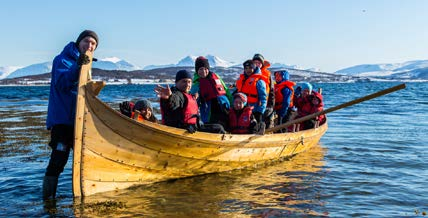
(372, 162)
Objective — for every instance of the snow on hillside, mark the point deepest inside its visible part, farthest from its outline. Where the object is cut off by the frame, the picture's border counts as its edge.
(33, 69)
(114, 63)
(189, 61)
(383, 69)
(6, 71)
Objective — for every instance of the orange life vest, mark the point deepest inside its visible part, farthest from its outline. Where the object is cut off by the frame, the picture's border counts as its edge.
(248, 86)
(140, 118)
(278, 93)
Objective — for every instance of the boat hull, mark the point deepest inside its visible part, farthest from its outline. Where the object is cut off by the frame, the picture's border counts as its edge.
(117, 152)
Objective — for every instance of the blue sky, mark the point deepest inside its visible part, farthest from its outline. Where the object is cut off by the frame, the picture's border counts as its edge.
(329, 35)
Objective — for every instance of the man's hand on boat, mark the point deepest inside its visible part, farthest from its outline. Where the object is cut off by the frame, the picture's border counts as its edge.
(83, 59)
(163, 92)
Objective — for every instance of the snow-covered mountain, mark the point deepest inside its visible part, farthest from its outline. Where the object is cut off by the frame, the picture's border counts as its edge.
(385, 70)
(33, 69)
(112, 63)
(6, 71)
(189, 61)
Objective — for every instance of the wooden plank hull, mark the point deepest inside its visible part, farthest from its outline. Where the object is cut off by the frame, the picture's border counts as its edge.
(118, 152)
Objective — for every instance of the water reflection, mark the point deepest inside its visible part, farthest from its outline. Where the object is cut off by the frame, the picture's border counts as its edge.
(290, 187)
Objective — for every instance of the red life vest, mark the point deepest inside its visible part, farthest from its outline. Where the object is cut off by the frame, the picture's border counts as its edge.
(279, 98)
(241, 124)
(190, 109)
(211, 87)
(248, 86)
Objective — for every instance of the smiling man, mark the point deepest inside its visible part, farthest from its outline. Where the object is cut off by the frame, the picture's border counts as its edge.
(62, 105)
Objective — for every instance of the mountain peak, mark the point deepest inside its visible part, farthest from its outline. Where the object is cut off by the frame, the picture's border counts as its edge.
(111, 59)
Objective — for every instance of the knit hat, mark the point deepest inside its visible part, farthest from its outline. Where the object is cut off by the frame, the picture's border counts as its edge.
(308, 86)
(249, 63)
(259, 57)
(240, 95)
(143, 104)
(284, 74)
(183, 74)
(87, 33)
(201, 61)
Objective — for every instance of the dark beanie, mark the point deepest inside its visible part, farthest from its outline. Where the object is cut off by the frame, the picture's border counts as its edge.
(87, 33)
(201, 62)
(259, 57)
(143, 104)
(249, 63)
(183, 74)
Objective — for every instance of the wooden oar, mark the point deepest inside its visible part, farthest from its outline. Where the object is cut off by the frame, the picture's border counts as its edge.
(347, 104)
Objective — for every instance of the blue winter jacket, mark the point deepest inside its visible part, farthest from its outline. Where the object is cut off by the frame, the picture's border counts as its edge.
(63, 89)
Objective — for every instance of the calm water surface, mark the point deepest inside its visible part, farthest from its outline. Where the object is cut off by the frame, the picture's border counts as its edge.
(372, 162)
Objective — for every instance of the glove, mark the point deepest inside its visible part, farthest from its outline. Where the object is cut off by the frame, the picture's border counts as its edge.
(83, 59)
(268, 112)
(191, 129)
(126, 108)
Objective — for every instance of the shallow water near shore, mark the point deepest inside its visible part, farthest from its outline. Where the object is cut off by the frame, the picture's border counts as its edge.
(370, 163)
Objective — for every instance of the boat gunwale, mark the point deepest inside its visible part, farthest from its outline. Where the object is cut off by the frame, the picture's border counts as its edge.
(202, 137)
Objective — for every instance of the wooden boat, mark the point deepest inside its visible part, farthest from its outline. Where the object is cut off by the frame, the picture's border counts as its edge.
(114, 152)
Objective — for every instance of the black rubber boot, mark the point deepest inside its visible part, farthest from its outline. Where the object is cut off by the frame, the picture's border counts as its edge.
(49, 187)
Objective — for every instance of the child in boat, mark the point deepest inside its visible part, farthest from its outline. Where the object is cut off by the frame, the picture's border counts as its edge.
(144, 108)
(284, 95)
(260, 62)
(310, 102)
(253, 84)
(241, 118)
(214, 97)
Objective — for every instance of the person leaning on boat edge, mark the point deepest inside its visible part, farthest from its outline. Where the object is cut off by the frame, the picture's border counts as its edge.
(179, 108)
(144, 107)
(62, 105)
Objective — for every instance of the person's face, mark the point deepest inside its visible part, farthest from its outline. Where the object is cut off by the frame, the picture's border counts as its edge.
(278, 77)
(87, 44)
(305, 92)
(258, 63)
(146, 113)
(315, 101)
(184, 85)
(203, 72)
(248, 70)
(238, 104)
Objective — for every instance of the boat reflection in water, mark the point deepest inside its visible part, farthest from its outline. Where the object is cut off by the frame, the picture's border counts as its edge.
(286, 188)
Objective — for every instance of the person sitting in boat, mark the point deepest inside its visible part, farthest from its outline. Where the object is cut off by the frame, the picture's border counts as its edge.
(179, 108)
(284, 95)
(214, 97)
(241, 118)
(302, 98)
(253, 84)
(310, 102)
(144, 108)
(268, 116)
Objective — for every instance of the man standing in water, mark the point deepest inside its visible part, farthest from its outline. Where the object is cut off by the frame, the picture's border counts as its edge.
(62, 105)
